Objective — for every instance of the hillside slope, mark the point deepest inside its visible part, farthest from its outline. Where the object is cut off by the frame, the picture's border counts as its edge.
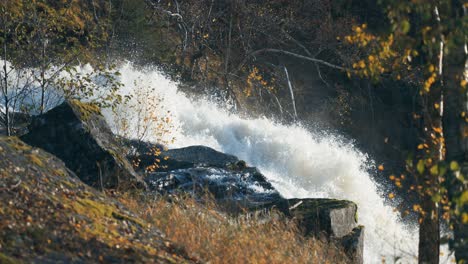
(48, 215)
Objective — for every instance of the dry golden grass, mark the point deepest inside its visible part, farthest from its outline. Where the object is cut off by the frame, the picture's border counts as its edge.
(212, 236)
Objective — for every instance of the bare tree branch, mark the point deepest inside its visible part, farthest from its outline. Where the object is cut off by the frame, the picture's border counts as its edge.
(307, 58)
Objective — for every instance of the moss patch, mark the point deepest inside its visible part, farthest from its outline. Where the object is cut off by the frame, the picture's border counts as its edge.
(85, 110)
(15, 143)
(35, 159)
(4, 259)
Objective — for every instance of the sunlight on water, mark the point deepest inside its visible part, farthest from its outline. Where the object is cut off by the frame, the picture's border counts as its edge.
(299, 163)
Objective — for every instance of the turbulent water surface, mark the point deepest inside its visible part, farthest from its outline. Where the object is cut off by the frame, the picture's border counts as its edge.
(299, 163)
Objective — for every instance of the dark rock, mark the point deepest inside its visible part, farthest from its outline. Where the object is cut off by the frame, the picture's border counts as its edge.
(234, 190)
(19, 124)
(336, 218)
(353, 244)
(201, 155)
(78, 134)
(332, 220)
(199, 170)
(174, 159)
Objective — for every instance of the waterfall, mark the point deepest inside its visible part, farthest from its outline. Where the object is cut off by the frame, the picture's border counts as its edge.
(299, 163)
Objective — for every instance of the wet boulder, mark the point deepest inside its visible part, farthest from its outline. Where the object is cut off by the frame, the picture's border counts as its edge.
(200, 170)
(200, 155)
(78, 134)
(353, 245)
(234, 190)
(180, 158)
(336, 218)
(333, 220)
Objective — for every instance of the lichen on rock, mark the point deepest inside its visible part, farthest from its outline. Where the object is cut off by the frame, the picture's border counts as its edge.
(48, 215)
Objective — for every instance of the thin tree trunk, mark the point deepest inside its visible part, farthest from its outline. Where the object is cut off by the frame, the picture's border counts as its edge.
(429, 228)
(5, 85)
(429, 238)
(6, 100)
(43, 81)
(456, 129)
(429, 235)
(292, 92)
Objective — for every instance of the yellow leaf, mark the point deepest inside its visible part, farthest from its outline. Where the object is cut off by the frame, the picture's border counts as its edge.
(464, 218)
(381, 167)
(391, 195)
(362, 64)
(454, 166)
(420, 166)
(464, 198)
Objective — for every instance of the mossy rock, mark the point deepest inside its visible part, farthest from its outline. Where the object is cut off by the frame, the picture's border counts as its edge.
(48, 215)
(85, 110)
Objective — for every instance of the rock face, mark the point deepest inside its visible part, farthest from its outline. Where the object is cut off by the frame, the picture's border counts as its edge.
(353, 244)
(19, 122)
(200, 155)
(181, 158)
(336, 218)
(234, 190)
(48, 215)
(199, 169)
(78, 134)
(333, 219)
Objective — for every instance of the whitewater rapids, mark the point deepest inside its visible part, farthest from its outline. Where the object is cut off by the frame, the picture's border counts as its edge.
(299, 163)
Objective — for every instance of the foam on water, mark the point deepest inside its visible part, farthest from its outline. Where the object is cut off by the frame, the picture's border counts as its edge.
(299, 163)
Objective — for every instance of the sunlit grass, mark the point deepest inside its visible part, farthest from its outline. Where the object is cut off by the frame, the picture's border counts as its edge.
(212, 236)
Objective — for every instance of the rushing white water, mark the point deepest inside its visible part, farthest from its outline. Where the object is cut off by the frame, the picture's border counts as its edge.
(299, 163)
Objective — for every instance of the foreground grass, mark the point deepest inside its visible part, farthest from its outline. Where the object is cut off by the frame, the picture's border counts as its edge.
(212, 236)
